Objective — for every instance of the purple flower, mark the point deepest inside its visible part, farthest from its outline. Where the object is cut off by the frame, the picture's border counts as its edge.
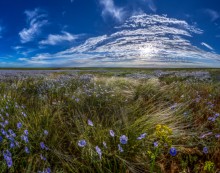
(26, 132)
(211, 119)
(90, 123)
(142, 136)
(1, 138)
(99, 151)
(6, 122)
(19, 125)
(12, 145)
(3, 131)
(155, 144)
(120, 148)
(23, 114)
(8, 159)
(173, 106)
(82, 143)
(205, 150)
(47, 170)
(26, 149)
(43, 146)
(217, 135)
(11, 132)
(42, 157)
(123, 139)
(216, 115)
(24, 138)
(112, 133)
(45, 132)
(104, 144)
(173, 151)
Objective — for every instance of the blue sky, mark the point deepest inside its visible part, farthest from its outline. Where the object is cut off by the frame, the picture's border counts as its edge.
(110, 33)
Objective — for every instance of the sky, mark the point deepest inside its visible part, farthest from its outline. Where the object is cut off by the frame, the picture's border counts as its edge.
(109, 33)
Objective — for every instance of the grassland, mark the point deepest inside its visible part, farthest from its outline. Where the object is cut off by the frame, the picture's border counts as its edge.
(64, 121)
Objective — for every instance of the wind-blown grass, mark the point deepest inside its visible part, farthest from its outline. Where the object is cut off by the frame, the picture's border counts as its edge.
(155, 115)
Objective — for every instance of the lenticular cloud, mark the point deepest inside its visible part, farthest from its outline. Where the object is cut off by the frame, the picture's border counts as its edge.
(143, 40)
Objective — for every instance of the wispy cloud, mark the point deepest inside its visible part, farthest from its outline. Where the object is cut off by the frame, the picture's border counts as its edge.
(214, 15)
(208, 46)
(57, 39)
(36, 19)
(141, 41)
(110, 9)
(151, 5)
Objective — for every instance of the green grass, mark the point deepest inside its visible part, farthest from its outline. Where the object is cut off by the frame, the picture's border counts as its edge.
(128, 107)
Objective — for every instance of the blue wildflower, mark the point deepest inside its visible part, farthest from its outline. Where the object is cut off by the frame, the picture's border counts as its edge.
(104, 144)
(123, 139)
(173, 151)
(1, 138)
(47, 170)
(26, 132)
(42, 157)
(173, 106)
(216, 115)
(156, 144)
(43, 146)
(19, 125)
(120, 148)
(3, 131)
(24, 138)
(142, 136)
(112, 133)
(8, 159)
(99, 151)
(82, 143)
(205, 150)
(12, 145)
(6, 122)
(26, 149)
(2, 124)
(217, 135)
(16, 143)
(211, 119)
(90, 123)
(23, 114)
(45, 132)
(11, 132)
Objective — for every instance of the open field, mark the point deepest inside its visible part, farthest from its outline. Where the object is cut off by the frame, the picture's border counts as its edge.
(110, 120)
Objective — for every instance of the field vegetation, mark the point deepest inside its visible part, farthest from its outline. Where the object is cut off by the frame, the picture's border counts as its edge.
(110, 120)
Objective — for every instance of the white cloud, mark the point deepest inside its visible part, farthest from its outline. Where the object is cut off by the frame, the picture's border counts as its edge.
(142, 41)
(213, 14)
(57, 39)
(151, 5)
(36, 19)
(109, 8)
(206, 45)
